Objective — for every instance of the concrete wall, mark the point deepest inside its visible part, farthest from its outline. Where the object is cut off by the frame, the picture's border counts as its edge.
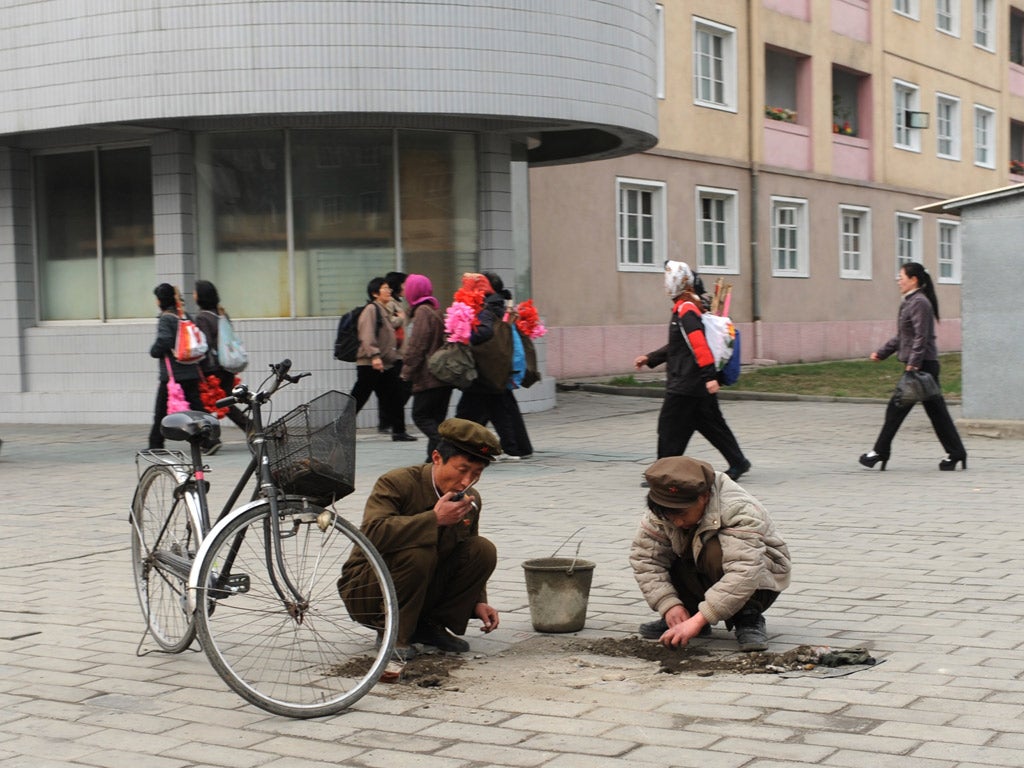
(993, 354)
(576, 61)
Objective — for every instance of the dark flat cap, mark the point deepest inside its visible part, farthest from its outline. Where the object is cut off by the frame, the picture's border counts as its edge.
(470, 437)
(677, 481)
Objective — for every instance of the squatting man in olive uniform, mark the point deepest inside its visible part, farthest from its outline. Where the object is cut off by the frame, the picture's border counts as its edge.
(706, 551)
(431, 543)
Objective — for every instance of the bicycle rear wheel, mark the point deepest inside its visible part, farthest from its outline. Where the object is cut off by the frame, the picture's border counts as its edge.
(164, 543)
(307, 660)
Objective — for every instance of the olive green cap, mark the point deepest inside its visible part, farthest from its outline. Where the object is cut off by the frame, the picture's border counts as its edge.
(470, 438)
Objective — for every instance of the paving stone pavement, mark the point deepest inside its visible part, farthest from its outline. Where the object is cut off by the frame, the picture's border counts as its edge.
(922, 567)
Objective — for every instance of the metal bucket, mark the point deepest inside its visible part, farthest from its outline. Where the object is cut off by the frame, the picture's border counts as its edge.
(558, 589)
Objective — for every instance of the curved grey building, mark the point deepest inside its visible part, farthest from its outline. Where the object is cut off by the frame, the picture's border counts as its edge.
(287, 151)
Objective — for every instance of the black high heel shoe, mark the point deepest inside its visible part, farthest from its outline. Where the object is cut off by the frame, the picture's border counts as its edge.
(949, 464)
(871, 458)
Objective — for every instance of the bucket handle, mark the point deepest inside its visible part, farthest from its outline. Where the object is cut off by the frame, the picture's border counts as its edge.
(575, 557)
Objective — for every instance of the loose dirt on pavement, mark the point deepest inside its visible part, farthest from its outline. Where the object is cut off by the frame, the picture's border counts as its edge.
(576, 662)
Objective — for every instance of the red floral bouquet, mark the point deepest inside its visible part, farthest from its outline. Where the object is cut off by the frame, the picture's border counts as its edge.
(528, 320)
(210, 391)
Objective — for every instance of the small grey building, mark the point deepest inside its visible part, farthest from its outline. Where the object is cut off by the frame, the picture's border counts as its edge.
(287, 151)
(992, 311)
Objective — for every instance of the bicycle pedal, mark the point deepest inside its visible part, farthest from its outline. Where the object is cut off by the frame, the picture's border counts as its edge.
(235, 584)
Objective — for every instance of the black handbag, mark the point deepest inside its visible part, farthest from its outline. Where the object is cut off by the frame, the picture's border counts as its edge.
(915, 387)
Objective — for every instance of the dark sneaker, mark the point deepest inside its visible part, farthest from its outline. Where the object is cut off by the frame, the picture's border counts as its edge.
(214, 448)
(652, 630)
(751, 632)
(736, 472)
(439, 637)
(402, 437)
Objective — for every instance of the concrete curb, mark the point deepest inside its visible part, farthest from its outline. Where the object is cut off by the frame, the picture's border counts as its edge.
(725, 394)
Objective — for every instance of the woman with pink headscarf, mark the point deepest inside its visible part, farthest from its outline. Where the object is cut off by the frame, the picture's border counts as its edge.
(425, 335)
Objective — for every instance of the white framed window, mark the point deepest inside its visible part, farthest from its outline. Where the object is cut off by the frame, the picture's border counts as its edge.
(984, 24)
(947, 126)
(906, 8)
(906, 98)
(908, 239)
(717, 231)
(984, 137)
(949, 251)
(854, 242)
(947, 17)
(640, 225)
(714, 65)
(659, 39)
(790, 246)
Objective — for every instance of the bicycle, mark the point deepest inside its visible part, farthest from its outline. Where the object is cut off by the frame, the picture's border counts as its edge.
(258, 587)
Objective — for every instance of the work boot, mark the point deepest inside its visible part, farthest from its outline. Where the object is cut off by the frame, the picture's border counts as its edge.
(751, 631)
(653, 630)
(429, 633)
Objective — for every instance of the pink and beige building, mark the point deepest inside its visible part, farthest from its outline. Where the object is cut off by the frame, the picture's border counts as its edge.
(797, 139)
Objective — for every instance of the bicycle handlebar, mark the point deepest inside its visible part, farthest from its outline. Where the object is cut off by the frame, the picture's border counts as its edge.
(279, 372)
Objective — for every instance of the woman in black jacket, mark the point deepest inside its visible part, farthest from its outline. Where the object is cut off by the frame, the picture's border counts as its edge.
(691, 386)
(914, 345)
(187, 375)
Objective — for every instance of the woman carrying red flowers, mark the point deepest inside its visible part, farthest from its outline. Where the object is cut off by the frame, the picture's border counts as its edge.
(208, 320)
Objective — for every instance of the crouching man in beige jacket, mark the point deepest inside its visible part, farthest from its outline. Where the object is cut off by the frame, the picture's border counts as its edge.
(706, 551)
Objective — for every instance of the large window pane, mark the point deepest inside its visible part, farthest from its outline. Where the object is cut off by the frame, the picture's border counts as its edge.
(243, 244)
(66, 226)
(437, 179)
(126, 216)
(343, 204)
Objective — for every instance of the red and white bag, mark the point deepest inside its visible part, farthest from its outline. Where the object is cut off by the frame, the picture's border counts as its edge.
(190, 346)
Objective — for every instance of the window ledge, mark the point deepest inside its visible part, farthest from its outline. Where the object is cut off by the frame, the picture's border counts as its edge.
(850, 141)
(783, 127)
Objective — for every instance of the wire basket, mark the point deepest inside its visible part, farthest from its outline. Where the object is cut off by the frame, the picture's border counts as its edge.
(312, 448)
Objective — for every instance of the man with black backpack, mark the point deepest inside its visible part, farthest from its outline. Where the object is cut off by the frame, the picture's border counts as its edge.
(375, 361)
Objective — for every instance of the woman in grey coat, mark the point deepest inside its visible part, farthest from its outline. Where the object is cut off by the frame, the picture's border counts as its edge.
(914, 345)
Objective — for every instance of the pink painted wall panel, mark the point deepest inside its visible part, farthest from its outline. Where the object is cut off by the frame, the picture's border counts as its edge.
(798, 9)
(852, 18)
(1015, 81)
(787, 145)
(851, 157)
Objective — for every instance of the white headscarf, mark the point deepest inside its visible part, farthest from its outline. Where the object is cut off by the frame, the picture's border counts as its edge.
(678, 278)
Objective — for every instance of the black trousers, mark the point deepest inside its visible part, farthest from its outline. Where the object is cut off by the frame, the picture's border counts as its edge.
(682, 415)
(390, 395)
(429, 409)
(195, 402)
(937, 412)
(484, 407)
(405, 392)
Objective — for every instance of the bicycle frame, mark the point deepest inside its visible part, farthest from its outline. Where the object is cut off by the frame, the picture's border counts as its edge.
(268, 491)
(192, 489)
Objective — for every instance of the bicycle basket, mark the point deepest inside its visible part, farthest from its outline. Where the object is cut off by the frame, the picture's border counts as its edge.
(312, 448)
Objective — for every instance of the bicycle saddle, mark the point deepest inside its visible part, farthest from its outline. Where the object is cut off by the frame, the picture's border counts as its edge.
(190, 425)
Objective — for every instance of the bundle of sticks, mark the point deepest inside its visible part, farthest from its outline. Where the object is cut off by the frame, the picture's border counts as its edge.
(721, 298)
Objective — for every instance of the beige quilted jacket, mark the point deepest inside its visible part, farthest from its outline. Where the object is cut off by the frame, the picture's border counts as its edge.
(754, 555)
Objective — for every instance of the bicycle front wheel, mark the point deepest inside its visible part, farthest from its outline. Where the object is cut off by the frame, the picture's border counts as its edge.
(164, 544)
(296, 658)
